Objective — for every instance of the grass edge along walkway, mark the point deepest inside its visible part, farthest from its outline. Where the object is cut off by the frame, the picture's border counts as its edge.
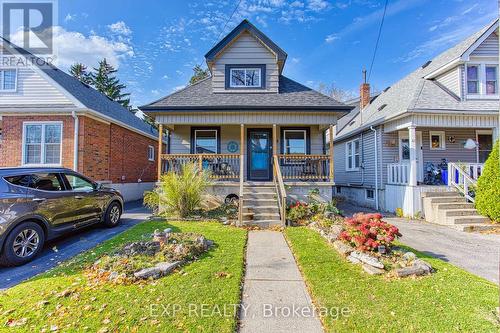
(449, 300)
(206, 293)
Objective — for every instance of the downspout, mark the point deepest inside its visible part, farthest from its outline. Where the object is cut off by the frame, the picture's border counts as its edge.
(376, 167)
(75, 140)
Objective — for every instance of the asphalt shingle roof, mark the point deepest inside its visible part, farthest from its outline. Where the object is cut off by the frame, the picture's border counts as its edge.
(88, 96)
(291, 95)
(413, 92)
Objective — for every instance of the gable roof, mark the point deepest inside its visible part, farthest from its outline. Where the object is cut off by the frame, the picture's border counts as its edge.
(88, 96)
(291, 96)
(245, 25)
(417, 93)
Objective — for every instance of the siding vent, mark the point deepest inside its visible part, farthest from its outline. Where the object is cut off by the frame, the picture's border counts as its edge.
(380, 108)
(426, 64)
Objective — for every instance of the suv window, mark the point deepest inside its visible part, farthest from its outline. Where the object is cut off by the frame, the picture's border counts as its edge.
(38, 181)
(78, 183)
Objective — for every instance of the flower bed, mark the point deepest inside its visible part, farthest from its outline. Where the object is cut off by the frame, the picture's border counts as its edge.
(150, 259)
(367, 240)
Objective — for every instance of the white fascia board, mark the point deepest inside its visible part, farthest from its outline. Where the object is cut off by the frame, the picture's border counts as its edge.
(444, 69)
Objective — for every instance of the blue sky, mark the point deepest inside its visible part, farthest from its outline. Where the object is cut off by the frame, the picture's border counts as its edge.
(155, 44)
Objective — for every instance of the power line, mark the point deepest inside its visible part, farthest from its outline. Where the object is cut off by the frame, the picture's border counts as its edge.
(227, 21)
(378, 39)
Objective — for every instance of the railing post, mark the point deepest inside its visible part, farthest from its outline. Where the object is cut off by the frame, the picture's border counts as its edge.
(160, 148)
(331, 154)
(200, 162)
(450, 171)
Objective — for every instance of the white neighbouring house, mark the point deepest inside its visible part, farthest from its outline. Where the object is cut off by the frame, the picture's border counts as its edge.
(446, 106)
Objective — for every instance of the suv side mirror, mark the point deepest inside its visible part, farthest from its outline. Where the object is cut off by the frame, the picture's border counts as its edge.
(97, 186)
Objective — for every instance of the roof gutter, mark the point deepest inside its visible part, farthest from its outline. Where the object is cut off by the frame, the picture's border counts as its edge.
(236, 108)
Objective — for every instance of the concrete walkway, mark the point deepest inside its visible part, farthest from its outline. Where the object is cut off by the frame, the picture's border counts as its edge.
(475, 252)
(275, 298)
(68, 246)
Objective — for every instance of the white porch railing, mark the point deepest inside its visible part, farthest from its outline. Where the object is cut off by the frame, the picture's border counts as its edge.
(463, 176)
(398, 173)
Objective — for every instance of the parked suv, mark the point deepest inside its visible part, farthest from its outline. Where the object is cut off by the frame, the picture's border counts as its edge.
(38, 204)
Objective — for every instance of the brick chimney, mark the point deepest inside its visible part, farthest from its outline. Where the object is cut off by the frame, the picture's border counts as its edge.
(364, 92)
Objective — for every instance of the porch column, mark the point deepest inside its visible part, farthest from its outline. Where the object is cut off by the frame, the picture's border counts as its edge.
(275, 146)
(412, 136)
(331, 153)
(242, 151)
(160, 149)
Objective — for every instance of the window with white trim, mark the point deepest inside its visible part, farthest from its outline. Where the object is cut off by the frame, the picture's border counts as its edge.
(8, 80)
(353, 159)
(245, 77)
(42, 143)
(482, 80)
(437, 140)
(151, 153)
(295, 142)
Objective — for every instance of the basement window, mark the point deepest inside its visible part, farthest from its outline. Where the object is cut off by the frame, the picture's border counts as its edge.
(370, 194)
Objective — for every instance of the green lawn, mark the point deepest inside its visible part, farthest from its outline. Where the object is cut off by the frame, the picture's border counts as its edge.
(195, 294)
(449, 300)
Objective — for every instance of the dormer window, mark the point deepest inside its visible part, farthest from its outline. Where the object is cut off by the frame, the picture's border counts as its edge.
(8, 80)
(245, 76)
(473, 79)
(491, 80)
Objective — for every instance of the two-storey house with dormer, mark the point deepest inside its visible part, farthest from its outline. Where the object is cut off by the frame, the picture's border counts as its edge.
(260, 134)
(444, 115)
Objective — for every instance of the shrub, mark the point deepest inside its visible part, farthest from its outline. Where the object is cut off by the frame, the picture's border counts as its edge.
(298, 212)
(179, 194)
(488, 187)
(367, 231)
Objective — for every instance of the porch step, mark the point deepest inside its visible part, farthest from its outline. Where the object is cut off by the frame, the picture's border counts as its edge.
(454, 205)
(476, 227)
(259, 202)
(439, 194)
(260, 205)
(468, 219)
(264, 224)
(259, 195)
(261, 209)
(445, 199)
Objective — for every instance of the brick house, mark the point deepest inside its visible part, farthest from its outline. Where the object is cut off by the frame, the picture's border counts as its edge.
(49, 118)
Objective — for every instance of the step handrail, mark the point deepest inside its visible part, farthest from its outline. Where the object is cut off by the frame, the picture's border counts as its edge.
(280, 189)
(458, 178)
(240, 198)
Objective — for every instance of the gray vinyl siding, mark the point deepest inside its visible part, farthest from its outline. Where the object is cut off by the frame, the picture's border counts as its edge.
(390, 152)
(180, 138)
(451, 80)
(365, 176)
(33, 89)
(489, 47)
(246, 50)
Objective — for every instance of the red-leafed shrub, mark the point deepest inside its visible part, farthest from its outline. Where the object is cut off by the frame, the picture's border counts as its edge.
(367, 231)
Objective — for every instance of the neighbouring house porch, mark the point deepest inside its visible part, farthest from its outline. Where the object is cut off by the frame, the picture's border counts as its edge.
(430, 158)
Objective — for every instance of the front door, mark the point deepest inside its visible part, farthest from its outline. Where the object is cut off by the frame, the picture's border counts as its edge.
(259, 148)
(404, 152)
(484, 145)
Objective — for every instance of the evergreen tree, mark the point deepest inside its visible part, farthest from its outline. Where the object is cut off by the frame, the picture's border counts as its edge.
(79, 71)
(199, 74)
(104, 80)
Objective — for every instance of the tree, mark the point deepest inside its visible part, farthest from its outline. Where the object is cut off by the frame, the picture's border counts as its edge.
(79, 71)
(488, 186)
(199, 74)
(104, 80)
(336, 92)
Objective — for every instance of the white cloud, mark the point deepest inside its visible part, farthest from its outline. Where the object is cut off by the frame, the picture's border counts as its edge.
(452, 19)
(317, 5)
(180, 73)
(295, 60)
(298, 4)
(331, 38)
(74, 47)
(155, 92)
(120, 28)
(165, 77)
(69, 18)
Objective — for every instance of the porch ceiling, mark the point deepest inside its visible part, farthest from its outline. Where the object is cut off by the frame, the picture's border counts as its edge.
(443, 121)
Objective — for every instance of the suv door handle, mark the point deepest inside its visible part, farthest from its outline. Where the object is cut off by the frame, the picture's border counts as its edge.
(79, 197)
(38, 199)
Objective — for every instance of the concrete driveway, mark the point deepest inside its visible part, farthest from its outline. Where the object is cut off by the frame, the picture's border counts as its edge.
(66, 247)
(474, 252)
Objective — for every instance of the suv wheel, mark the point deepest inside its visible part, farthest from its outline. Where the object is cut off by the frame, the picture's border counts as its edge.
(22, 244)
(113, 215)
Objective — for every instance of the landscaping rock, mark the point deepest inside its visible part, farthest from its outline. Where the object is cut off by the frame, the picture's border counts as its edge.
(419, 267)
(424, 265)
(113, 276)
(146, 273)
(168, 230)
(409, 256)
(367, 259)
(167, 267)
(144, 248)
(372, 270)
(353, 259)
(335, 231)
(343, 248)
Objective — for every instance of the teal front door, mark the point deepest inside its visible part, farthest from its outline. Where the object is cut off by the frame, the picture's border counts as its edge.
(259, 148)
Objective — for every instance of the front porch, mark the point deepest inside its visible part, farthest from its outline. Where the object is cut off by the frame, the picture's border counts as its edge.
(261, 166)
